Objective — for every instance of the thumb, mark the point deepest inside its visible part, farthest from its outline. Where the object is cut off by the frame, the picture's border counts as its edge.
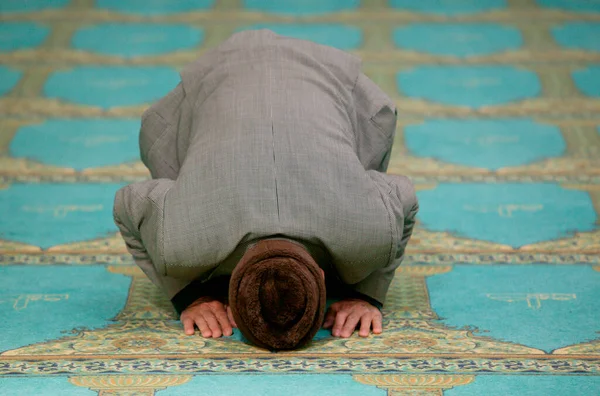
(230, 316)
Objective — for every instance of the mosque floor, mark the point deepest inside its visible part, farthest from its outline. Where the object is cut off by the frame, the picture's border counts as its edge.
(499, 128)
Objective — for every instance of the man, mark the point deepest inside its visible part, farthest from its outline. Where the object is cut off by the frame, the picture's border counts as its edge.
(268, 188)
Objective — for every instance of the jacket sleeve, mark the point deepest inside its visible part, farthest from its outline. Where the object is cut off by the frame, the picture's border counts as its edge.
(404, 206)
(164, 134)
(376, 118)
(138, 212)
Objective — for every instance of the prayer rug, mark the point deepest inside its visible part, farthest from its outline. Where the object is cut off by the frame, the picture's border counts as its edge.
(499, 128)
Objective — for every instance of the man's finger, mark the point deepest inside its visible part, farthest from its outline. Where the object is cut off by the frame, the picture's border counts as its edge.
(365, 325)
(230, 316)
(340, 320)
(213, 324)
(350, 325)
(203, 327)
(188, 325)
(223, 320)
(329, 319)
(377, 325)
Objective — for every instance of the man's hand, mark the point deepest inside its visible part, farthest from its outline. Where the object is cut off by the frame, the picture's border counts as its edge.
(345, 315)
(212, 317)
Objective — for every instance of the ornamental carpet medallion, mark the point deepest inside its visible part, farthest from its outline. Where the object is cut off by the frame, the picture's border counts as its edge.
(498, 127)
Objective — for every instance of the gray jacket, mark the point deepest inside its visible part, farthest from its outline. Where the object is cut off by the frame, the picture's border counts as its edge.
(269, 136)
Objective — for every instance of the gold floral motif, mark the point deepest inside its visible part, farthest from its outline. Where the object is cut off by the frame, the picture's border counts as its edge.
(412, 57)
(139, 344)
(409, 343)
(129, 270)
(554, 166)
(407, 164)
(424, 241)
(581, 242)
(415, 380)
(423, 270)
(132, 392)
(9, 247)
(592, 188)
(408, 296)
(145, 300)
(424, 187)
(111, 245)
(20, 167)
(407, 392)
(426, 337)
(414, 384)
(78, 57)
(121, 338)
(123, 385)
(525, 108)
(41, 107)
(585, 348)
(133, 169)
(137, 381)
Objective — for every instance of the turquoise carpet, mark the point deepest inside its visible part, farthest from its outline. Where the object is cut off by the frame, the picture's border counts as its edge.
(499, 128)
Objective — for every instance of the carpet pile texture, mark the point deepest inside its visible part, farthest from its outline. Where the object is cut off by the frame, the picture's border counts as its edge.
(499, 128)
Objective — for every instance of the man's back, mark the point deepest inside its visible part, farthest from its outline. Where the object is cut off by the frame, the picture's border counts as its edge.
(271, 150)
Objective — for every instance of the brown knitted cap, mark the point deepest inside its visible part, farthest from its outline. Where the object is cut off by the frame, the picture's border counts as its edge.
(277, 295)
